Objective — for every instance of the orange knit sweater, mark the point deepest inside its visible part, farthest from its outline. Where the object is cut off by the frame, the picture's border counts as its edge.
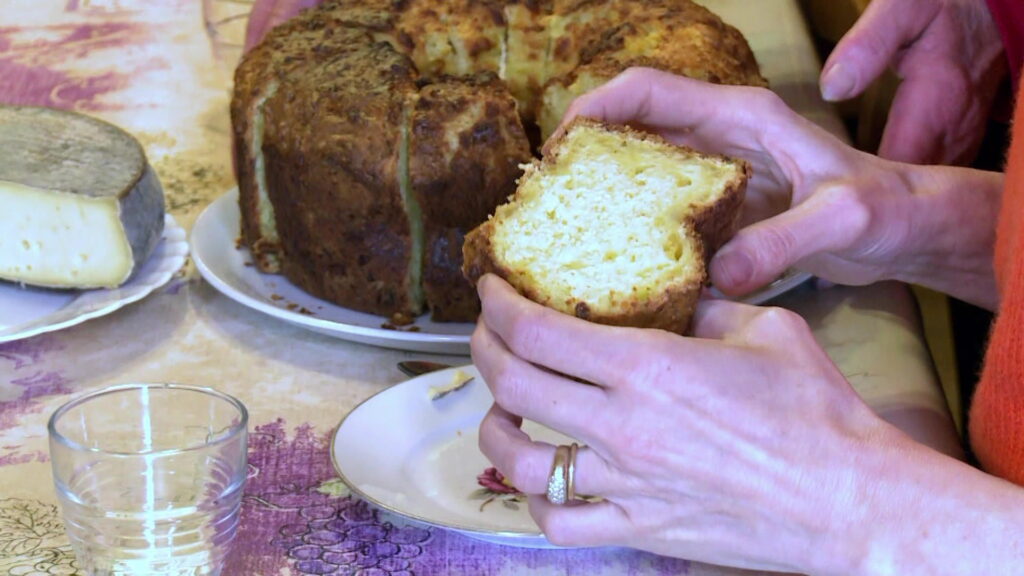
(997, 411)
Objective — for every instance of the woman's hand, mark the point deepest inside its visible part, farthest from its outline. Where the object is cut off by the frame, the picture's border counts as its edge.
(734, 447)
(815, 203)
(266, 14)
(949, 57)
(742, 446)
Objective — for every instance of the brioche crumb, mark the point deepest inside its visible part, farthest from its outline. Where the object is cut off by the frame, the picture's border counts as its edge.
(610, 223)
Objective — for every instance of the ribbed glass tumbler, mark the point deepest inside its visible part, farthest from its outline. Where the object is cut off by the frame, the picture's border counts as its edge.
(150, 477)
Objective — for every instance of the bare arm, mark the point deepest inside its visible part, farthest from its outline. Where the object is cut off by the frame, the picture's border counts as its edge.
(951, 242)
(921, 513)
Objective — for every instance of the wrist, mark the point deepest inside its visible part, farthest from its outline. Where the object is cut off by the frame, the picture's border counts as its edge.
(914, 511)
(950, 237)
(853, 545)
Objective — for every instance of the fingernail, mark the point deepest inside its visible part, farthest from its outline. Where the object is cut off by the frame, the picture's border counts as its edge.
(734, 268)
(837, 83)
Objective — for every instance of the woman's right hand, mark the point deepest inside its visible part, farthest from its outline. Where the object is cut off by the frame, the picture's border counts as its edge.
(813, 203)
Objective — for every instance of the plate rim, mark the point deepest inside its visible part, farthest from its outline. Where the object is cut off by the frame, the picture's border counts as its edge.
(338, 329)
(426, 342)
(171, 227)
(507, 534)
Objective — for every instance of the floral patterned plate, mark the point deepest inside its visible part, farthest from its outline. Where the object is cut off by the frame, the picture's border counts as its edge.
(418, 458)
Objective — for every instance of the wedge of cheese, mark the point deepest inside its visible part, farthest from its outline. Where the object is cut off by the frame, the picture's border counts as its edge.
(80, 207)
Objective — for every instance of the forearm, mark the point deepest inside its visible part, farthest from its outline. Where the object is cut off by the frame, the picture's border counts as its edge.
(922, 513)
(951, 235)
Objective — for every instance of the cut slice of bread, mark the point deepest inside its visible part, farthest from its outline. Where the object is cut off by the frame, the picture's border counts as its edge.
(614, 226)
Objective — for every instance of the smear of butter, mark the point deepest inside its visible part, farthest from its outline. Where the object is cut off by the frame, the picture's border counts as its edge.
(458, 380)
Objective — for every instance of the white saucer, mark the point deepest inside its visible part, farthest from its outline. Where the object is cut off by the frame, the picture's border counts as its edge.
(418, 458)
(28, 311)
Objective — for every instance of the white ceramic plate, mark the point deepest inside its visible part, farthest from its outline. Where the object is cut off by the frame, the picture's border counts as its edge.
(29, 311)
(230, 270)
(426, 468)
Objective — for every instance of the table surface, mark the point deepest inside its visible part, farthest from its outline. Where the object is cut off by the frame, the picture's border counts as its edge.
(163, 71)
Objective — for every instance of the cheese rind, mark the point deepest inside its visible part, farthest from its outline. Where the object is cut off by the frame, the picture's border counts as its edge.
(81, 206)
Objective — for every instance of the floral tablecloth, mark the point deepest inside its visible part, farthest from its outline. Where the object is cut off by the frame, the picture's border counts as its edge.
(162, 70)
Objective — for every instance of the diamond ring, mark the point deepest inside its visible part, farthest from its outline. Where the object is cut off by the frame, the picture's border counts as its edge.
(562, 480)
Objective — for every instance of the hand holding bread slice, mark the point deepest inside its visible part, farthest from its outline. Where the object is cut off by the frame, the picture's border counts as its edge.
(613, 225)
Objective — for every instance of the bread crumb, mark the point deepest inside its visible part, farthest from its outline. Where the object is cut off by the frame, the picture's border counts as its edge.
(390, 326)
(399, 319)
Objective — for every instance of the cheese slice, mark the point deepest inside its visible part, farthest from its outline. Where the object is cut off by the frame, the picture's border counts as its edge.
(81, 207)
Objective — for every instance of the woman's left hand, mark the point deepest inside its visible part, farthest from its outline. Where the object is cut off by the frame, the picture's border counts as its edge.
(737, 446)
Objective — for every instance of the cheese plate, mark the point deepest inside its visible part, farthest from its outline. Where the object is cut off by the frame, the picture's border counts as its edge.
(229, 268)
(26, 311)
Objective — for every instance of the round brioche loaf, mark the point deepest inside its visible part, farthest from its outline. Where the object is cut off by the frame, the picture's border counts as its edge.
(372, 135)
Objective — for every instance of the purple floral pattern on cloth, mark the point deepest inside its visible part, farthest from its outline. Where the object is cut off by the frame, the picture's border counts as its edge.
(34, 72)
(24, 359)
(298, 517)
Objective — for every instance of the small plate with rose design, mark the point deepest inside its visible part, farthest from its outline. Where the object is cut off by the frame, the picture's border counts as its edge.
(415, 456)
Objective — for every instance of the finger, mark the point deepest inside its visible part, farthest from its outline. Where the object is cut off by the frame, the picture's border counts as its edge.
(591, 524)
(926, 118)
(830, 219)
(872, 43)
(259, 19)
(548, 338)
(527, 464)
(721, 319)
(752, 123)
(531, 392)
(652, 98)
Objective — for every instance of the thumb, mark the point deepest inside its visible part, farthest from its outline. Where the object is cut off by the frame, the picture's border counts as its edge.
(828, 220)
(871, 45)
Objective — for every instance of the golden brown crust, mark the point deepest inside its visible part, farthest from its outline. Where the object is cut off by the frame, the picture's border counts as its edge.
(333, 140)
(671, 309)
(286, 51)
(690, 42)
(466, 143)
(527, 48)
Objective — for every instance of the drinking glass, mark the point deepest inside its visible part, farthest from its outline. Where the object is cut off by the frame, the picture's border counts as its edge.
(150, 477)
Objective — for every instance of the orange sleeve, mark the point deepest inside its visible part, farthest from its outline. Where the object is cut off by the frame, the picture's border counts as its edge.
(997, 411)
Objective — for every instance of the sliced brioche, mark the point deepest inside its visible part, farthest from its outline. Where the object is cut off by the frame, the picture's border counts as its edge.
(614, 226)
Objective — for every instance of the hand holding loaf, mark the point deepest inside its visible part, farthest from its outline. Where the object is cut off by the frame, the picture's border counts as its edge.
(812, 202)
